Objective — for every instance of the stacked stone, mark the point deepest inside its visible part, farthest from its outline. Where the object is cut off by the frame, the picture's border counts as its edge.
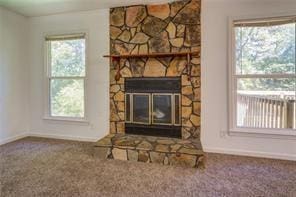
(166, 151)
(117, 106)
(172, 27)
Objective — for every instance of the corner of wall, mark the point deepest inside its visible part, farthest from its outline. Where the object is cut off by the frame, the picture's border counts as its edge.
(14, 76)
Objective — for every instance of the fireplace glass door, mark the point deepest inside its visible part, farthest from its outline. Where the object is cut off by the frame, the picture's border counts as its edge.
(162, 109)
(141, 108)
(152, 108)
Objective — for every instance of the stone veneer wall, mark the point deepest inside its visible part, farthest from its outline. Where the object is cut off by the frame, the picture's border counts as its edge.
(172, 27)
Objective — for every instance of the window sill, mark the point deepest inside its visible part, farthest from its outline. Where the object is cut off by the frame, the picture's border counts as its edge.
(67, 120)
(264, 133)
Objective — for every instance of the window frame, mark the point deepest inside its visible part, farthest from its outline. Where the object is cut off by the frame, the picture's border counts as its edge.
(48, 77)
(233, 77)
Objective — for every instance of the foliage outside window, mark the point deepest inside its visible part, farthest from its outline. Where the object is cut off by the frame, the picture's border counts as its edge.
(263, 74)
(66, 75)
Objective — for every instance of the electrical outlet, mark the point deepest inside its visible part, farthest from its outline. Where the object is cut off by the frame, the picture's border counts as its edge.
(223, 133)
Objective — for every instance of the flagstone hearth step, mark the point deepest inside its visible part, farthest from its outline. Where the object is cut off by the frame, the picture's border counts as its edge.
(167, 151)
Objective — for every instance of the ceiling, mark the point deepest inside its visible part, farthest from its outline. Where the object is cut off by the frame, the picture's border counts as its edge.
(33, 8)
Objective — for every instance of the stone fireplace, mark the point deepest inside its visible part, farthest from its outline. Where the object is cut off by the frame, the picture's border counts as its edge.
(155, 96)
(173, 27)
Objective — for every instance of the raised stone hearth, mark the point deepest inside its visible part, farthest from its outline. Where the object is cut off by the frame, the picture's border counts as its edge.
(162, 150)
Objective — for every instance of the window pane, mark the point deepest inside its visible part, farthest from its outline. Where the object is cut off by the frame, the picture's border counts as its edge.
(67, 97)
(141, 109)
(284, 86)
(67, 58)
(266, 103)
(162, 109)
(265, 49)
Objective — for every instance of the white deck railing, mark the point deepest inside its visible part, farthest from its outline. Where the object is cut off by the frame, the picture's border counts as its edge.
(266, 111)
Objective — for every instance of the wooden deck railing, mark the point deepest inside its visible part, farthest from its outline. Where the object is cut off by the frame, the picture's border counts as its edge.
(266, 111)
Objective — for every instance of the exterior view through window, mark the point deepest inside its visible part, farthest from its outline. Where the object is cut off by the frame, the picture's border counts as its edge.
(264, 73)
(66, 75)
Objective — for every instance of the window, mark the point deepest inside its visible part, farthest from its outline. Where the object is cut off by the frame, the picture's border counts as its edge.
(66, 71)
(263, 75)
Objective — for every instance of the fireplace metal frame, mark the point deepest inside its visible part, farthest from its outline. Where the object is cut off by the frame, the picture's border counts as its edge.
(154, 86)
(150, 98)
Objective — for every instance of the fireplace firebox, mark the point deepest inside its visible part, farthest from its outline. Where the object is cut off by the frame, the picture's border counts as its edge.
(153, 106)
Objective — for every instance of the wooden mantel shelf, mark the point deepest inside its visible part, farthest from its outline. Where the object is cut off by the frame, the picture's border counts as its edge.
(116, 58)
(177, 54)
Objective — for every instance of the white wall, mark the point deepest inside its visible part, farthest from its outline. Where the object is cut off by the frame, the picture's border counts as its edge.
(215, 15)
(13, 75)
(96, 24)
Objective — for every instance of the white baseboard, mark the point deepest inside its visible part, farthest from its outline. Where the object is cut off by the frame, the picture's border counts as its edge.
(206, 149)
(13, 138)
(64, 137)
(51, 136)
(250, 153)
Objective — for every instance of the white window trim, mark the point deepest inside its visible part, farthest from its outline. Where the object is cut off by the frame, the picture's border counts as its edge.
(232, 126)
(47, 115)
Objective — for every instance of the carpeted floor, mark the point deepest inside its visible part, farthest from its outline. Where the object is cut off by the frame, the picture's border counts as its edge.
(42, 167)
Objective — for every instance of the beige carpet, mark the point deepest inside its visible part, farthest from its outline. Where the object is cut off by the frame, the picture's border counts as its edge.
(43, 167)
